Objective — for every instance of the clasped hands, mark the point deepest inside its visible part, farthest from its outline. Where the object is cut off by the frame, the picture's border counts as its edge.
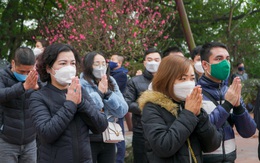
(193, 101)
(74, 91)
(233, 93)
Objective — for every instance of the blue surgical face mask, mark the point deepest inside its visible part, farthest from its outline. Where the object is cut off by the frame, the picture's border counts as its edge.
(112, 65)
(20, 77)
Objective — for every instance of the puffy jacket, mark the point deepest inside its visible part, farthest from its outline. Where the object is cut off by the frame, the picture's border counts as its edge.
(224, 116)
(120, 76)
(166, 135)
(15, 122)
(63, 127)
(135, 86)
(114, 105)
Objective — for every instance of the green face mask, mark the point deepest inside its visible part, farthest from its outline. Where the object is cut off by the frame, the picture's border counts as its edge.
(220, 70)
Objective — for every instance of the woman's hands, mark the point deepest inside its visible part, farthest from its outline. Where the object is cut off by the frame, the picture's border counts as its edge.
(194, 100)
(103, 84)
(74, 91)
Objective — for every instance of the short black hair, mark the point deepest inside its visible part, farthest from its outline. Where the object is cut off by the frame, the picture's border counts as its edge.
(171, 49)
(205, 51)
(49, 56)
(151, 50)
(239, 64)
(195, 51)
(24, 56)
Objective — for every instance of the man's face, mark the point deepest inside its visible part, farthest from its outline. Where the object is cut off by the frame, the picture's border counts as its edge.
(240, 66)
(114, 58)
(218, 54)
(21, 69)
(152, 57)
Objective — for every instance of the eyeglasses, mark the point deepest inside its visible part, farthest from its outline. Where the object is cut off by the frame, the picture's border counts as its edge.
(98, 64)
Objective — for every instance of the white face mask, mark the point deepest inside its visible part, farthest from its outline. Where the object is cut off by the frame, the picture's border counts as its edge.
(152, 66)
(99, 72)
(182, 90)
(65, 74)
(37, 51)
(198, 67)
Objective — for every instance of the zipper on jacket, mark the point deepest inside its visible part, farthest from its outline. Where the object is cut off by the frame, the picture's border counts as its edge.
(23, 118)
(223, 141)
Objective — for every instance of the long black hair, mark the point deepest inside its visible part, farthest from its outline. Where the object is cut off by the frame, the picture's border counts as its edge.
(87, 69)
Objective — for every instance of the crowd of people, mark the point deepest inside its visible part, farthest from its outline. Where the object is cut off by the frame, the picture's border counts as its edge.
(55, 106)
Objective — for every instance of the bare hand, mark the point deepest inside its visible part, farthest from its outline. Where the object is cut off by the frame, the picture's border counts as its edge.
(233, 94)
(74, 91)
(194, 100)
(31, 81)
(138, 72)
(103, 84)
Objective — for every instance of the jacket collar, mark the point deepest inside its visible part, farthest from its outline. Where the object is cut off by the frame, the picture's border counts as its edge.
(158, 99)
(148, 75)
(205, 82)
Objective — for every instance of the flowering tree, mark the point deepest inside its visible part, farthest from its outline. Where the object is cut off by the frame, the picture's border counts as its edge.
(123, 27)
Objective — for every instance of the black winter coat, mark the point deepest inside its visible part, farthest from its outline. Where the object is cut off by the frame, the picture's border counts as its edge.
(135, 86)
(63, 127)
(166, 130)
(15, 122)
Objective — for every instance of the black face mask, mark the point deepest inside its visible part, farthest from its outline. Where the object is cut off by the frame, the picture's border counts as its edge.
(241, 68)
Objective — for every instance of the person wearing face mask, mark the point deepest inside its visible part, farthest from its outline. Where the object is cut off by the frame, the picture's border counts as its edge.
(40, 45)
(104, 90)
(240, 72)
(17, 82)
(62, 112)
(176, 128)
(135, 86)
(224, 104)
(195, 56)
(119, 73)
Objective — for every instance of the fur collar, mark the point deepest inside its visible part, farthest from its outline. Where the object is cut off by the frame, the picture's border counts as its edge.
(159, 99)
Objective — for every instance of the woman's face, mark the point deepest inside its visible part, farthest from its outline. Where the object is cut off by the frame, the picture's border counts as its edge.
(98, 61)
(63, 59)
(189, 76)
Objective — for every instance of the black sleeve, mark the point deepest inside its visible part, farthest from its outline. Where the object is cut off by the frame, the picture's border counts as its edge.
(209, 137)
(93, 118)
(131, 96)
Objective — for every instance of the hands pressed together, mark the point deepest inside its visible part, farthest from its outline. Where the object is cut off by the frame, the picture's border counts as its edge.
(233, 94)
(74, 91)
(31, 81)
(103, 84)
(194, 100)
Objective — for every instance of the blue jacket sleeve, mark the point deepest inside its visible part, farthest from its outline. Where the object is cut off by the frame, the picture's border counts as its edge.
(116, 103)
(245, 125)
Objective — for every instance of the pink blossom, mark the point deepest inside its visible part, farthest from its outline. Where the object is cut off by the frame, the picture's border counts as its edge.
(71, 37)
(166, 37)
(134, 34)
(127, 64)
(163, 22)
(82, 37)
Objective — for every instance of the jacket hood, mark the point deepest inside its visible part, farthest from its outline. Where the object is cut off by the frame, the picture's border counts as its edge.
(159, 99)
